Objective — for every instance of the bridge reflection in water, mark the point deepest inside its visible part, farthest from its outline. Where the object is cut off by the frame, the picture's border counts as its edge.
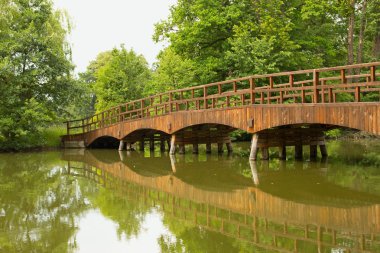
(239, 210)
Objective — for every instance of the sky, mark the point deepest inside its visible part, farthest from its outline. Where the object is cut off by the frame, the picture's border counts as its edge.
(100, 25)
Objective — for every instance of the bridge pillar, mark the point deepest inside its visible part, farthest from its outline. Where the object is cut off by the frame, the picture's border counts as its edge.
(181, 149)
(162, 145)
(208, 148)
(151, 144)
(220, 147)
(121, 145)
(129, 146)
(282, 153)
(298, 152)
(313, 152)
(142, 145)
(253, 153)
(265, 153)
(195, 148)
(229, 147)
(323, 150)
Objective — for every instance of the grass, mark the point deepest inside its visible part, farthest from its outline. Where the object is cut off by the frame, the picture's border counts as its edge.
(51, 136)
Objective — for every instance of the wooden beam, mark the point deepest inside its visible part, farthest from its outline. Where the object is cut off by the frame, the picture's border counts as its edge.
(253, 153)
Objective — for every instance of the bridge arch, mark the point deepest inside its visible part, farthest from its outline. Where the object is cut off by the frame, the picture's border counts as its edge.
(104, 141)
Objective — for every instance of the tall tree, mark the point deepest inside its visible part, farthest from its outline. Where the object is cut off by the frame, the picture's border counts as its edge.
(170, 72)
(35, 68)
(121, 79)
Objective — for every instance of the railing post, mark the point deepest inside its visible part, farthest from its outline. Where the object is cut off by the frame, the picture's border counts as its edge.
(252, 88)
(343, 76)
(357, 94)
(373, 73)
(204, 97)
(291, 80)
(170, 102)
(82, 125)
(68, 127)
(315, 84)
(142, 108)
(271, 83)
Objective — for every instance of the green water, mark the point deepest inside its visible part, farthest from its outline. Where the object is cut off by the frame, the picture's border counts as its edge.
(106, 201)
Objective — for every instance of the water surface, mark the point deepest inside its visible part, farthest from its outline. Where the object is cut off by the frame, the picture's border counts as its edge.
(107, 201)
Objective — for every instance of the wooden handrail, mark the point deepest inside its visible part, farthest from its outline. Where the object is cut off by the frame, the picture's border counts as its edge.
(302, 86)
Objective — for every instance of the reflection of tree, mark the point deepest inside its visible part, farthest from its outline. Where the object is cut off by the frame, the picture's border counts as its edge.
(191, 238)
(126, 212)
(38, 204)
(361, 161)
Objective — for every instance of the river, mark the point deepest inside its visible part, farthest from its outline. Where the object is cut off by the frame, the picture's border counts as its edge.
(109, 201)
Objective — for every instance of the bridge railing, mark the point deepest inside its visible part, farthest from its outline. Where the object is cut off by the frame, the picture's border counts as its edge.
(351, 83)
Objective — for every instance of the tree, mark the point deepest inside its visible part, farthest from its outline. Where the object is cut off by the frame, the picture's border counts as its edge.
(171, 72)
(227, 39)
(35, 69)
(86, 82)
(121, 79)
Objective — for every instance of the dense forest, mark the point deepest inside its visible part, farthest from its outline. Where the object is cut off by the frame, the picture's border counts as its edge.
(207, 41)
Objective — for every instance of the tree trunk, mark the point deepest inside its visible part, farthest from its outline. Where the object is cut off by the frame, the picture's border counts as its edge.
(350, 35)
(376, 47)
(363, 23)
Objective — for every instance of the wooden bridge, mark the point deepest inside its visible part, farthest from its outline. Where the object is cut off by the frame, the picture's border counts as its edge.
(281, 109)
(245, 214)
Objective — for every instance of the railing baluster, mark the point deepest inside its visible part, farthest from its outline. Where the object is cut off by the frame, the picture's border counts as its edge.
(323, 91)
(142, 108)
(204, 97)
(315, 84)
(170, 102)
(357, 94)
(252, 88)
(373, 73)
(291, 80)
(343, 76)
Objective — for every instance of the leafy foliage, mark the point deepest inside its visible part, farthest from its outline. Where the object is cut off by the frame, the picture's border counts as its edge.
(35, 69)
(120, 78)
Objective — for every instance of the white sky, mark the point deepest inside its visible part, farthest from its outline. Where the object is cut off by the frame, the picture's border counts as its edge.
(101, 25)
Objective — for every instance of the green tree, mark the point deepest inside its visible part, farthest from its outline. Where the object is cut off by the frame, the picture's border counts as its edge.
(171, 72)
(35, 69)
(227, 39)
(121, 79)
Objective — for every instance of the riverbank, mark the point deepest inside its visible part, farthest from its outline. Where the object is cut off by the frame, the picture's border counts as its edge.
(46, 139)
